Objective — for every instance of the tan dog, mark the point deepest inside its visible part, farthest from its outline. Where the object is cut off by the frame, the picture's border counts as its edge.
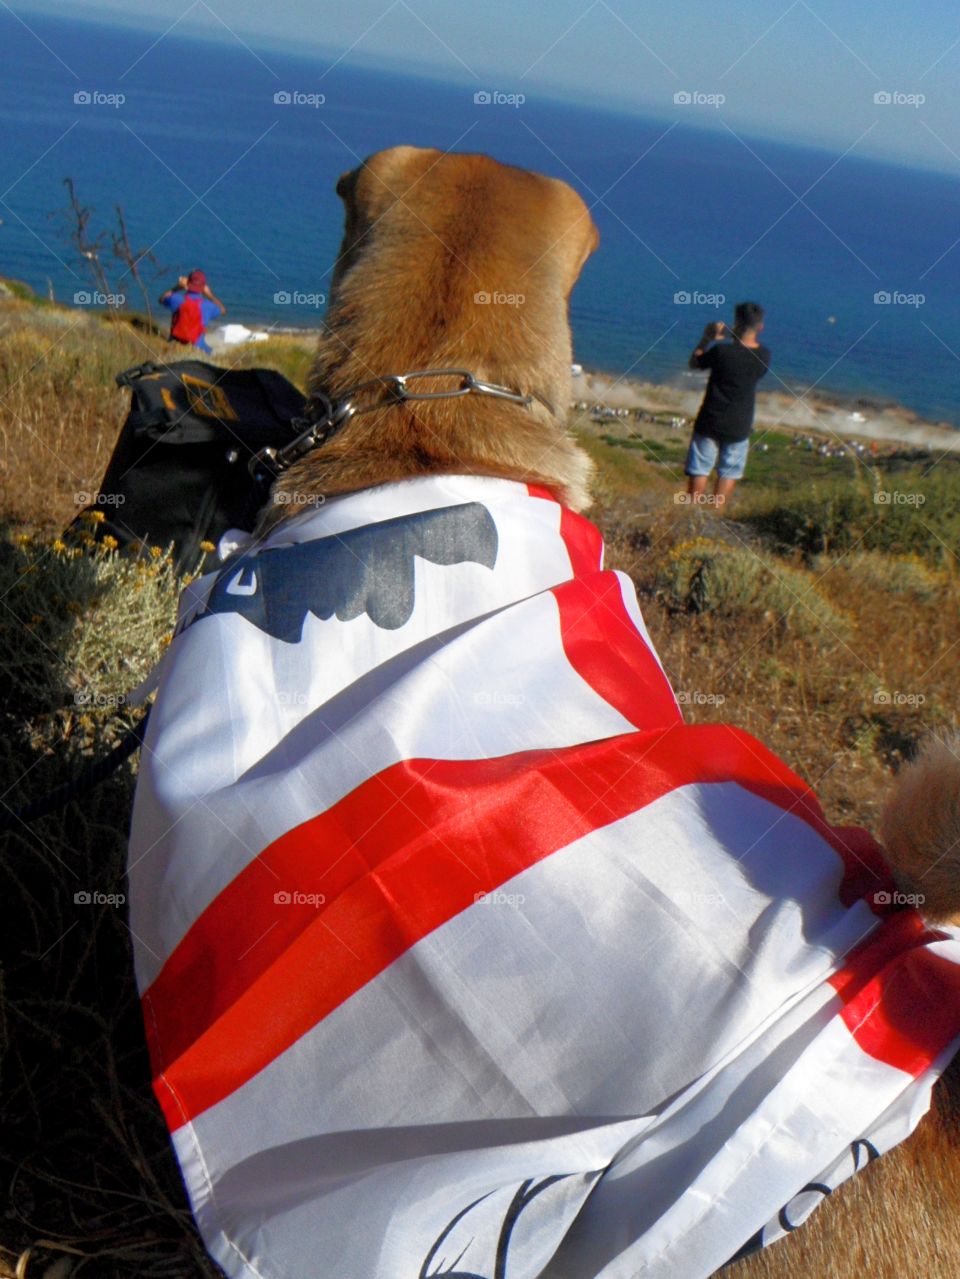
(426, 233)
(428, 237)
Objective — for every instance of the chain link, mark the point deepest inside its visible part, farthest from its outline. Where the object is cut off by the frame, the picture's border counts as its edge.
(325, 417)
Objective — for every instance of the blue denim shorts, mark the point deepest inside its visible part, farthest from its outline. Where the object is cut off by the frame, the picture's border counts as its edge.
(728, 456)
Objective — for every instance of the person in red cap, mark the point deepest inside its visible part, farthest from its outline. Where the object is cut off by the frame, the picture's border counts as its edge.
(194, 305)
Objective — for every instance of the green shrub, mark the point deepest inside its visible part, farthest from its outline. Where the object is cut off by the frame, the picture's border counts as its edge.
(821, 519)
(905, 514)
(709, 577)
(878, 571)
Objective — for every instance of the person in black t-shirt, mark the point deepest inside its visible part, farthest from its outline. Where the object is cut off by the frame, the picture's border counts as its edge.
(721, 433)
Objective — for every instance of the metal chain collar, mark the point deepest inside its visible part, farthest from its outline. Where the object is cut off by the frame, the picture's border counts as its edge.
(325, 417)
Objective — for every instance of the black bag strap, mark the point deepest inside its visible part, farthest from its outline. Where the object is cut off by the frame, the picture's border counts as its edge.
(129, 376)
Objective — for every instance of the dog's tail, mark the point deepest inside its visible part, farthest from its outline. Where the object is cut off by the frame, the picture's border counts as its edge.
(920, 830)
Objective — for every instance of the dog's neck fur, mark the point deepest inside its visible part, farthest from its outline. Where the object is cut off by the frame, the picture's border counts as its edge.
(381, 321)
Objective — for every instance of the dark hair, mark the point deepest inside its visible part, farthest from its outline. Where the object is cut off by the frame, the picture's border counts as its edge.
(748, 315)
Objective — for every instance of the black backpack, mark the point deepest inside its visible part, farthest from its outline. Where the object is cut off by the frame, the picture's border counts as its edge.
(179, 472)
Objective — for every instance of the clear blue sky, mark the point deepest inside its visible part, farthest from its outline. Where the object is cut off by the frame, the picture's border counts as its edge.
(790, 69)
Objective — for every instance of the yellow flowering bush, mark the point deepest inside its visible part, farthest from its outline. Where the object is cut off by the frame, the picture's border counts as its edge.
(82, 623)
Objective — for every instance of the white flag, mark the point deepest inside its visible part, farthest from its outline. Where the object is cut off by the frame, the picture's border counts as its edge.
(461, 955)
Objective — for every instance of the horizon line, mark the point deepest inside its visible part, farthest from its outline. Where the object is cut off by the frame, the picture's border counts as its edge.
(409, 68)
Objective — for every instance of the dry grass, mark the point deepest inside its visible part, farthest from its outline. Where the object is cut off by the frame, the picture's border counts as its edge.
(85, 1160)
(844, 706)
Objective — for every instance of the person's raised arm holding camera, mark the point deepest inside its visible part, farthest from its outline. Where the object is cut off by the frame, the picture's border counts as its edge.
(714, 332)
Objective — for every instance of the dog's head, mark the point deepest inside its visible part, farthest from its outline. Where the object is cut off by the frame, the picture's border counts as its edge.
(452, 261)
(491, 223)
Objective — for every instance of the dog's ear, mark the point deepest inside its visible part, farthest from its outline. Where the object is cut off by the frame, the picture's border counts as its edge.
(368, 192)
(365, 197)
(383, 178)
(579, 237)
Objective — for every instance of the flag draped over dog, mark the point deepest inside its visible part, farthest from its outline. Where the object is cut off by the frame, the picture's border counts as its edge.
(460, 954)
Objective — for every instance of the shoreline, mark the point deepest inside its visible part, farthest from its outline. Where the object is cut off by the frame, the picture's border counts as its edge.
(820, 412)
(823, 411)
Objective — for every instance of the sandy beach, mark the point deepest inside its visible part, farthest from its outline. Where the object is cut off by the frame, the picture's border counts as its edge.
(778, 409)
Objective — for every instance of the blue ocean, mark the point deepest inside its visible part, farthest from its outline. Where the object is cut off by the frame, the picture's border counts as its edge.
(226, 157)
